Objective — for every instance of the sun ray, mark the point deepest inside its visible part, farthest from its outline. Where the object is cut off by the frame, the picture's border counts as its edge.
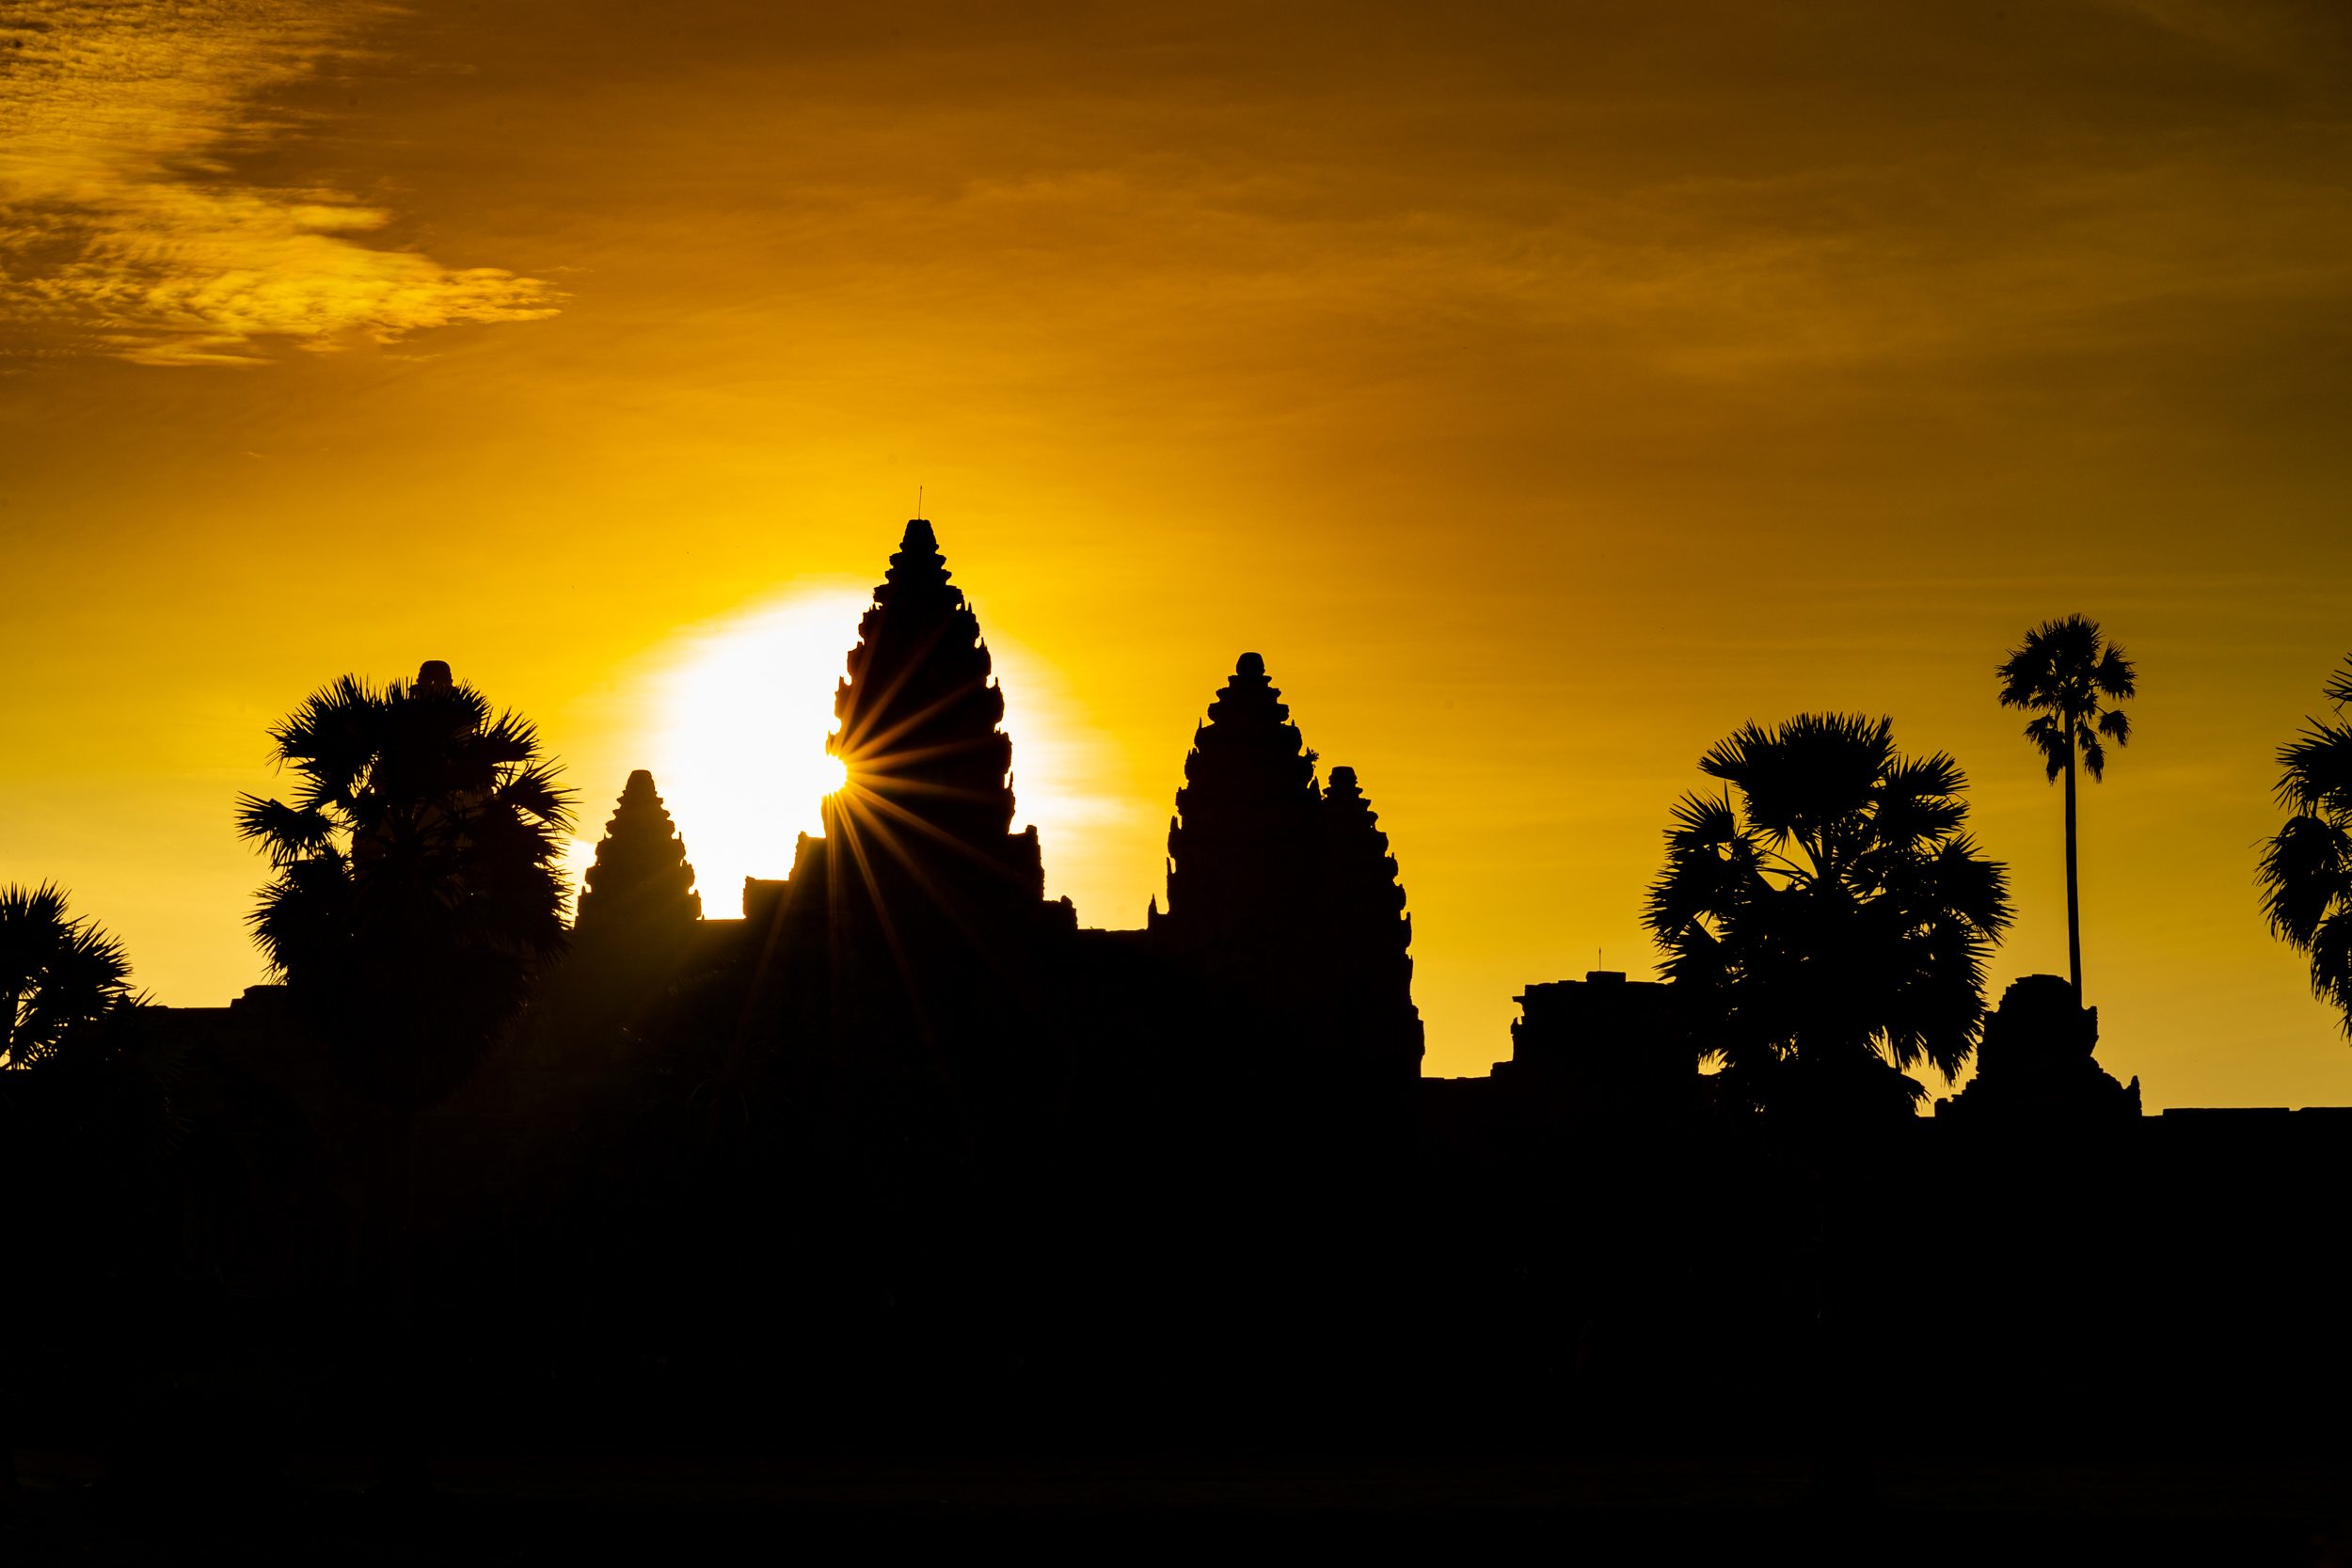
(868, 799)
(881, 915)
(913, 864)
(862, 742)
(879, 702)
(738, 724)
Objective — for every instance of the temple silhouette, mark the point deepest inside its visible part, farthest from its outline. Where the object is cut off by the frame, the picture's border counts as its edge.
(905, 1156)
(910, 966)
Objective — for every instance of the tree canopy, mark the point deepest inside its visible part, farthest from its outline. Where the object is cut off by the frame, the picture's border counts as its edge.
(2306, 871)
(2067, 675)
(59, 978)
(1826, 919)
(417, 876)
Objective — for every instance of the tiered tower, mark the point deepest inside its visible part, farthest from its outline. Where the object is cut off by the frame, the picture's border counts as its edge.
(916, 917)
(919, 715)
(642, 886)
(1283, 904)
(1242, 846)
(1367, 935)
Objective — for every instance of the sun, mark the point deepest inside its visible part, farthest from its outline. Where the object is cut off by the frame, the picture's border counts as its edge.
(732, 717)
(736, 715)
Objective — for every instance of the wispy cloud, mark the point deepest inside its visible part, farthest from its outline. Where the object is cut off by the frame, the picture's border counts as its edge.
(123, 229)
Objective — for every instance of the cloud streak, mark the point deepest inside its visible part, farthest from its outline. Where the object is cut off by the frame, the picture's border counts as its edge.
(123, 230)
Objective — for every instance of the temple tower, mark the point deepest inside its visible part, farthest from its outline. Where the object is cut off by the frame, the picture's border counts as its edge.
(1367, 936)
(919, 714)
(1242, 846)
(914, 922)
(642, 884)
(1284, 905)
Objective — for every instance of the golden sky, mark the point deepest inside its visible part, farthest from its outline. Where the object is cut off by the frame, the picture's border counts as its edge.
(1545, 390)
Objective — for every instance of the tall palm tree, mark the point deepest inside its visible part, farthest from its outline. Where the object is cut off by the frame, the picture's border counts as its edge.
(65, 1122)
(59, 978)
(2064, 675)
(415, 889)
(1825, 931)
(1831, 930)
(2306, 872)
(417, 877)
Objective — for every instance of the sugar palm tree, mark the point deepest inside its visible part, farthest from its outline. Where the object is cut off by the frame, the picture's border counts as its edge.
(2306, 871)
(1830, 930)
(63, 981)
(2065, 674)
(59, 978)
(416, 888)
(1825, 924)
(417, 880)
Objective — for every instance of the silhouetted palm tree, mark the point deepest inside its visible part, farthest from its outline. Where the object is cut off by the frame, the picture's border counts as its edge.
(416, 888)
(1831, 928)
(418, 879)
(2062, 676)
(61, 982)
(2307, 869)
(59, 978)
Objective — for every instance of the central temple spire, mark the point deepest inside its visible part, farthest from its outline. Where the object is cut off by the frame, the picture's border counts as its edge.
(919, 910)
(920, 714)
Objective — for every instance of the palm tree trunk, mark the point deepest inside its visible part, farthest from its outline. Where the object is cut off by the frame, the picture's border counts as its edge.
(2073, 897)
(1845, 1471)
(388, 1305)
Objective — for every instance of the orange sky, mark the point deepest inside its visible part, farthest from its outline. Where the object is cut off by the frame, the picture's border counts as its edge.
(1544, 390)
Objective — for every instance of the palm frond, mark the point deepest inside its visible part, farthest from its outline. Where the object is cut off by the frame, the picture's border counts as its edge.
(2338, 690)
(1702, 821)
(2315, 769)
(2332, 964)
(285, 833)
(2305, 872)
(2048, 733)
(533, 793)
(2115, 676)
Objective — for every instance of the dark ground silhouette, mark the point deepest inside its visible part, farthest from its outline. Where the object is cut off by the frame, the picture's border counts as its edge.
(905, 1209)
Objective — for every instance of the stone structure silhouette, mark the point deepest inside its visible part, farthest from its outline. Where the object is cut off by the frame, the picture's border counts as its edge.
(920, 733)
(905, 1159)
(2034, 1063)
(1601, 1049)
(1242, 847)
(911, 936)
(925, 815)
(641, 884)
(1367, 937)
(1283, 904)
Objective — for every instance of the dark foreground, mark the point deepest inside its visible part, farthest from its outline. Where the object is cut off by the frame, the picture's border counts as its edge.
(516, 1508)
